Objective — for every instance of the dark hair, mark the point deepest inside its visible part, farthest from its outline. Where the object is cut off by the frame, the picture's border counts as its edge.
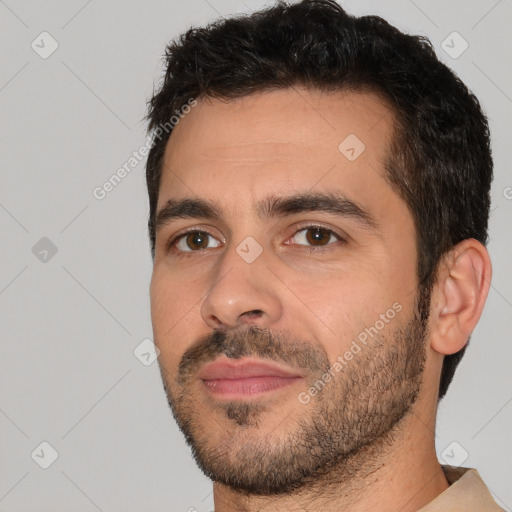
(439, 159)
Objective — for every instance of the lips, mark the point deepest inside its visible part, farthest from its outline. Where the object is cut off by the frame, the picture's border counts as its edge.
(240, 369)
(245, 377)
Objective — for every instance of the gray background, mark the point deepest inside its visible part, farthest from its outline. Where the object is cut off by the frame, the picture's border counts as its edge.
(70, 321)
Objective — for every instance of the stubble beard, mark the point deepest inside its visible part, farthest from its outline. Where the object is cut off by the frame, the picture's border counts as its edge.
(339, 435)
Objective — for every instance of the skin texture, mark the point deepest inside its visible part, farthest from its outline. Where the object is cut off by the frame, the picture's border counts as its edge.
(371, 428)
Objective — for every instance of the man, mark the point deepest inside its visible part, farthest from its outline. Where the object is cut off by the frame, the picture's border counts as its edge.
(318, 222)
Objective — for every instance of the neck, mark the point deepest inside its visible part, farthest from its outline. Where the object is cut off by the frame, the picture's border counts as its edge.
(398, 473)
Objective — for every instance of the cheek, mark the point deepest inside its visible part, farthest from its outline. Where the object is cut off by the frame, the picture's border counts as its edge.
(172, 308)
(339, 308)
(354, 304)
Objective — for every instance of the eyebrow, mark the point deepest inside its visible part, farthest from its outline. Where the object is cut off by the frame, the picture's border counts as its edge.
(270, 207)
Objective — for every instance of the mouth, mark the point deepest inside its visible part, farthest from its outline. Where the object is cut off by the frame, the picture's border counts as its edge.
(245, 378)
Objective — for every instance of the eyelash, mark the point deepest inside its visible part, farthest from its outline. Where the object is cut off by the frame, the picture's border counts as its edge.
(173, 241)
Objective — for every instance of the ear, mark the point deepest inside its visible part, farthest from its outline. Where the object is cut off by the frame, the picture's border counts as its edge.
(458, 297)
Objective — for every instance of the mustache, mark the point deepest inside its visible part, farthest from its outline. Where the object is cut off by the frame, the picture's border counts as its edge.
(252, 341)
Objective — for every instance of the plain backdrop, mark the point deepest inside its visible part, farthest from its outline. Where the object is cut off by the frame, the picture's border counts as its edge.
(75, 270)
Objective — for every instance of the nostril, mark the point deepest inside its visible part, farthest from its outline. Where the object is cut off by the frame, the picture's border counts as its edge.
(253, 313)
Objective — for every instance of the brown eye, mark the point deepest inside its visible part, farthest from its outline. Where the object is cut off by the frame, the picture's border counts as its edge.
(197, 240)
(315, 236)
(194, 241)
(318, 236)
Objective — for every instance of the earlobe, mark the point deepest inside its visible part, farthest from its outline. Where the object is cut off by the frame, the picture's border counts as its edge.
(459, 296)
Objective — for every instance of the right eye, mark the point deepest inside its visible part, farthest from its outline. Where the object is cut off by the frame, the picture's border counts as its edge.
(192, 241)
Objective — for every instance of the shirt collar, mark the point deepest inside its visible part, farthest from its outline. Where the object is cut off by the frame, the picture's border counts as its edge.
(467, 491)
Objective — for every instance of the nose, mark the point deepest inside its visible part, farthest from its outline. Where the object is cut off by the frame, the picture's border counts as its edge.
(242, 293)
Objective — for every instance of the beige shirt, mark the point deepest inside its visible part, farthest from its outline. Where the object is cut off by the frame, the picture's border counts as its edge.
(467, 493)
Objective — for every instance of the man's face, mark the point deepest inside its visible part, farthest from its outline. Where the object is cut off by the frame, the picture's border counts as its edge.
(324, 296)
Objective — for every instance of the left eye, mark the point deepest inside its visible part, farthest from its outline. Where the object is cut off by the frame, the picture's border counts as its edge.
(316, 236)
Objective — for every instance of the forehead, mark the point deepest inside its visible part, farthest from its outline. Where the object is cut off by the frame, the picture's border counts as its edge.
(292, 138)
